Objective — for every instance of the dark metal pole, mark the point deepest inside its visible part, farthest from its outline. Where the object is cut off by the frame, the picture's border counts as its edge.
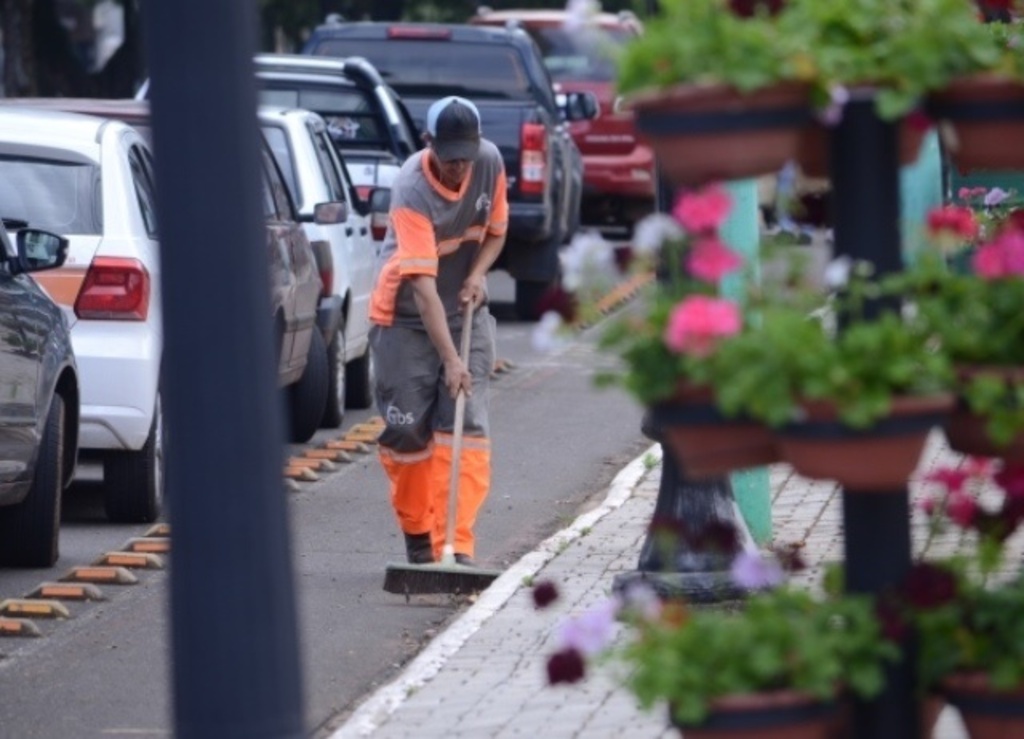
(236, 671)
(866, 219)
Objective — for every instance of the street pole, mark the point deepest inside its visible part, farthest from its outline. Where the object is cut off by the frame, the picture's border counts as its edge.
(235, 662)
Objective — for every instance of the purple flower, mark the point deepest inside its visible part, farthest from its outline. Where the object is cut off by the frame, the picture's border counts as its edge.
(995, 196)
(752, 571)
(592, 631)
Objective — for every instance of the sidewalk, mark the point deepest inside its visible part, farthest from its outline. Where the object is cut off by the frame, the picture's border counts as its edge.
(484, 676)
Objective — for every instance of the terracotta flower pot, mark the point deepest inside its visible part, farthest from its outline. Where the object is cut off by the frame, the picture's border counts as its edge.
(707, 444)
(813, 156)
(703, 133)
(982, 115)
(986, 713)
(780, 714)
(966, 431)
(821, 447)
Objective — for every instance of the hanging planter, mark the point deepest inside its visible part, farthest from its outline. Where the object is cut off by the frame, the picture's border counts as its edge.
(705, 133)
(813, 156)
(704, 442)
(986, 712)
(967, 431)
(780, 714)
(880, 458)
(979, 114)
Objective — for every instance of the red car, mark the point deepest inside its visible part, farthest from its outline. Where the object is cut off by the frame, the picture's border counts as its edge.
(618, 170)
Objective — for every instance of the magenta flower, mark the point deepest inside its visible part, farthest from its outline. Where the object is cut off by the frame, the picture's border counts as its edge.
(987, 262)
(952, 478)
(703, 210)
(962, 509)
(711, 260)
(698, 322)
(1012, 245)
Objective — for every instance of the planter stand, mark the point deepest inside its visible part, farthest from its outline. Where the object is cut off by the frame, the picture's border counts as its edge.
(865, 181)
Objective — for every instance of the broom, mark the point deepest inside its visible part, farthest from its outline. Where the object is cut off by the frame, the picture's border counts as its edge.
(446, 576)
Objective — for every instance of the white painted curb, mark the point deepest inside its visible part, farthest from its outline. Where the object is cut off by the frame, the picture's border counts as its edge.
(376, 709)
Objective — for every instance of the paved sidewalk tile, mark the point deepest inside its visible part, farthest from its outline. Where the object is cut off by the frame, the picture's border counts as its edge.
(494, 685)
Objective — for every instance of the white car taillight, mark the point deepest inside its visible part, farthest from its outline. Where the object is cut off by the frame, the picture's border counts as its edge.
(114, 288)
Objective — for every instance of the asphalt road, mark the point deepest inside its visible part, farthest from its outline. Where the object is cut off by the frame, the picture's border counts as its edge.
(104, 671)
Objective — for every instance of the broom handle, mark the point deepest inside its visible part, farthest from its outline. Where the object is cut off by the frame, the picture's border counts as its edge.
(448, 552)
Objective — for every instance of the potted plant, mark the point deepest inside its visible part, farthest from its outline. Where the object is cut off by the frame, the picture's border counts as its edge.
(975, 310)
(968, 609)
(782, 658)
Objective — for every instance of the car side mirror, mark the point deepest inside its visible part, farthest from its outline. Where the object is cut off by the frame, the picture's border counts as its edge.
(579, 106)
(326, 214)
(380, 208)
(39, 250)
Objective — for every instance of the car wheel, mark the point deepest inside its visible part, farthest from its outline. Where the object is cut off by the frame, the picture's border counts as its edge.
(133, 482)
(308, 396)
(360, 380)
(30, 530)
(337, 391)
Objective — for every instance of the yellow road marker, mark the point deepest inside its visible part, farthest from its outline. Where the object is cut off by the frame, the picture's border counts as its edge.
(331, 455)
(310, 464)
(18, 627)
(113, 575)
(368, 437)
(375, 421)
(357, 447)
(27, 608)
(131, 560)
(67, 591)
(151, 545)
(305, 474)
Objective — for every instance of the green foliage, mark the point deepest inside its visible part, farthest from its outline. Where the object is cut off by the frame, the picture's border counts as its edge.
(781, 639)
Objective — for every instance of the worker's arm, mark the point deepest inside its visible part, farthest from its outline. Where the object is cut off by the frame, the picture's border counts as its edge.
(475, 286)
(428, 301)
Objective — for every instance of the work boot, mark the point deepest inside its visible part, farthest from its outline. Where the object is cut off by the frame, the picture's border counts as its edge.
(465, 560)
(418, 549)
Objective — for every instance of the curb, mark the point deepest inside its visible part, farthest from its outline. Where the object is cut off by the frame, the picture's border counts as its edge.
(377, 709)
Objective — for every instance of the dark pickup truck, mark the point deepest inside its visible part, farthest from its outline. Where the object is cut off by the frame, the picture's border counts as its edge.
(503, 73)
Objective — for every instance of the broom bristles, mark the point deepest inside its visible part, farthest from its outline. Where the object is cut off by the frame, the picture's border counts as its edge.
(410, 579)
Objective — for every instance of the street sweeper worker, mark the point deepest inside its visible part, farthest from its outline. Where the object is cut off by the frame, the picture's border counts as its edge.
(448, 218)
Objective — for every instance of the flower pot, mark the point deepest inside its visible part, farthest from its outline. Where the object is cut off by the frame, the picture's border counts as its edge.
(813, 156)
(966, 430)
(979, 114)
(706, 443)
(986, 712)
(704, 133)
(880, 458)
(931, 709)
(780, 714)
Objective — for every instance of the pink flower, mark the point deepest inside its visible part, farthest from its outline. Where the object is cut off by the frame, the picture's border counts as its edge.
(698, 322)
(951, 478)
(953, 220)
(703, 210)
(1012, 245)
(928, 505)
(987, 262)
(962, 509)
(711, 260)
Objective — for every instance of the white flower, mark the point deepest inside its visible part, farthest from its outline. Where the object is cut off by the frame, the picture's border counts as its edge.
(579, 13)
(839, 96)
(588, 261)
(547, 333)
(654, 230)
(837, 273)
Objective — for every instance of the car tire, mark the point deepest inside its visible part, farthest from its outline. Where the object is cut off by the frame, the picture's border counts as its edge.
(359, 382)
(30, 530)
(308, 396)
(133, 481)
(337, 389)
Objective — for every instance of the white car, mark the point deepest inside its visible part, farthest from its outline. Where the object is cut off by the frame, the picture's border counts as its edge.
(316, 177)
(91, 180)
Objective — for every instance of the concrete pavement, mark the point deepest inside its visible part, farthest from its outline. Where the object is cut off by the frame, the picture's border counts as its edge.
(484, 676)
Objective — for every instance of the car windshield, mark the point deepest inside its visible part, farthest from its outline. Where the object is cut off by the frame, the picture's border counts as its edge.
(63, 197)
(353, 121)
(585, 54)
(434, 68)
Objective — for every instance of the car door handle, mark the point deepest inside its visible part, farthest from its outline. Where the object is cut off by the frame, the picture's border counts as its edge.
(348, 230)
(363, 231)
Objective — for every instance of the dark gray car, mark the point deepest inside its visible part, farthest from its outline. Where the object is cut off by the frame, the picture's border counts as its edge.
(39, 401)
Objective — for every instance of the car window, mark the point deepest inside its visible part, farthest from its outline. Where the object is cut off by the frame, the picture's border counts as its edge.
(584, 54)
(269, 206)
(328, 164)
(53, 195)
(277, 139)
(353, 118)
(278, 190)
(144, 189)
(425, 67)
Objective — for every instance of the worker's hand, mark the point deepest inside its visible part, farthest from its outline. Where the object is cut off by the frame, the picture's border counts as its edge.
(474, 290)
(456, 377)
